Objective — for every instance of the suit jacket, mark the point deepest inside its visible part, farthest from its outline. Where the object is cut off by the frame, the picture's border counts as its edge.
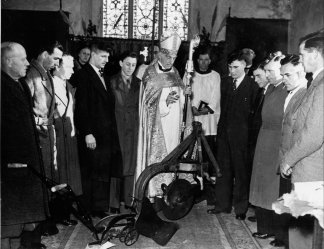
(236, 108)
(287, 124)
(305, 152)
(22, 191)
(95, 114)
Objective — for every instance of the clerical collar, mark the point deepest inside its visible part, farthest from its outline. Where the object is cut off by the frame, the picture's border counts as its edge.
(164, 69)
(203, 72)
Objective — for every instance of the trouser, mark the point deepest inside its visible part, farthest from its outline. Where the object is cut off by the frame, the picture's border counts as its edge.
(121, 190)
(301, 233)
(209, 189)
(265, 220)
(115, 189)
(95, 193)
(234, 183)
(268, 222)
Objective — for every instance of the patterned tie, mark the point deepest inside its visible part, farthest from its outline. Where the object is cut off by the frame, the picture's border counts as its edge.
(234, 85)
(101, 72)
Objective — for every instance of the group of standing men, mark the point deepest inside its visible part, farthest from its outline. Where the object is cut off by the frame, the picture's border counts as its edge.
(125, 125)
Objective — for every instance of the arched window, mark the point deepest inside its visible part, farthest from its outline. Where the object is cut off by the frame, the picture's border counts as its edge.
(134, 18)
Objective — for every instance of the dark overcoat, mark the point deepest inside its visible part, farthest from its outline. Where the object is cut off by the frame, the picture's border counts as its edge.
(95, 114)
(126, 110)
(22, 193)
(264, 187)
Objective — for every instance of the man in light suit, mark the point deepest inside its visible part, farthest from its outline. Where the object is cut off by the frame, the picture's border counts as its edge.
(294, 79)
(303, 159)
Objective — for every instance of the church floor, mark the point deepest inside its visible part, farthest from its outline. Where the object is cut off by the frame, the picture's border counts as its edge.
(197, 230)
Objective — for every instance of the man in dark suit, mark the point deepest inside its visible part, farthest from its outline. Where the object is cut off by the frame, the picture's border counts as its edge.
(98, 137)
(22, 192)
(238, 97)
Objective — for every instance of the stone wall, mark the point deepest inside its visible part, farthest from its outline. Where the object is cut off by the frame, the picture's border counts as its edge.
(204, 13)
(78, 9)
(307, 17)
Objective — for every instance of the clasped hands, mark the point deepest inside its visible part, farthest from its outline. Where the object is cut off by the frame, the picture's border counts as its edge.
(285, 170)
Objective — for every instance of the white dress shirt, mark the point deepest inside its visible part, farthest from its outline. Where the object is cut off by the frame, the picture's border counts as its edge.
(239, 80)
(292, 93)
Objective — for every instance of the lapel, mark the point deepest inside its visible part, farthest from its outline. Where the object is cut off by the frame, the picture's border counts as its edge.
(260, 99)
(314, 84)
(242, 85)
(52, 93)
(15, 89)
(294, 100)
(135, 84)
(96, 81)
(44, 77)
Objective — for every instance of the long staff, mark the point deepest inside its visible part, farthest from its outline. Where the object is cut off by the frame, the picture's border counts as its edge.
(189, 70)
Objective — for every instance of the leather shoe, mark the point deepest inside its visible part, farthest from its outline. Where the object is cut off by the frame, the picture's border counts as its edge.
(262, 235)
(277, 243)
(68, 222)
(99, 214)
(252, 218)
(217, 211)
(240, 216)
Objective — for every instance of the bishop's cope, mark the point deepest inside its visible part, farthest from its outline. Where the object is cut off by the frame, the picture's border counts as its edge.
(161, 113)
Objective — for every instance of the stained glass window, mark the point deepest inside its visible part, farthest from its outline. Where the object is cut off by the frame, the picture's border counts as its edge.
(143, 19)
(118, 18)
(175, 17)
(115, 18)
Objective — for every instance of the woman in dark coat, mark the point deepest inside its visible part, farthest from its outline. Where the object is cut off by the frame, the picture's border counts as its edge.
(66, 144)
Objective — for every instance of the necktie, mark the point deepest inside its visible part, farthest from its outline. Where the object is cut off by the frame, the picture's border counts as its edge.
(234, 85)
(309, 80)
(101, 72)
(128, 83)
